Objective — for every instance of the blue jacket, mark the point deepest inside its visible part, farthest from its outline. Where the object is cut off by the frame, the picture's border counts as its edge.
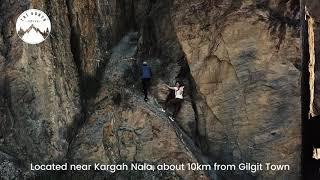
(146, 72)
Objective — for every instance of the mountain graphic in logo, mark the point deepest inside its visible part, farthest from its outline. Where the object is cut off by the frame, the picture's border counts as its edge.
(33, 26)
(33, 33)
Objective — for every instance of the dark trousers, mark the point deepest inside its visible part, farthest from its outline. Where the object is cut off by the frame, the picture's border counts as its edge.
(145, 87)
(176, 103)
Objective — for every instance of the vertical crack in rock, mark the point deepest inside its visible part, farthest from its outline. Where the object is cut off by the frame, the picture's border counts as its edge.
(199, 140)
(82, 41)
(76, 52)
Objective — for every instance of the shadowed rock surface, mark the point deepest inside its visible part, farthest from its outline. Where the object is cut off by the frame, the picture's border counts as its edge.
(77, 98)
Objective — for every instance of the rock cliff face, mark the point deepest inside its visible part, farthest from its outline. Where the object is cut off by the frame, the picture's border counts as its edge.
(76, 97)
(39, 92)
(244, 58)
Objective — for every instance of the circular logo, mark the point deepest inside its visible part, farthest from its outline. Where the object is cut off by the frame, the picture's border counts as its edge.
(33, 26)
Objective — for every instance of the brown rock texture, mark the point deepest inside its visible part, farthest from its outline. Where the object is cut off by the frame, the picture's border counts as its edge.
(39, 93)
(244, 57)
(77, 97)
(124, 128)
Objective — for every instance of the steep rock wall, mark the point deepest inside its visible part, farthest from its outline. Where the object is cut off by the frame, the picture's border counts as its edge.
(39, 93)
(244, 57)
(240, 61)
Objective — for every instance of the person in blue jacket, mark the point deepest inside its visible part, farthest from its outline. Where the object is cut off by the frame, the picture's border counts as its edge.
(146, 75)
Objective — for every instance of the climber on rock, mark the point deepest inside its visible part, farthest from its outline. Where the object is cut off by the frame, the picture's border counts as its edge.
(178, 99)
(146, 75)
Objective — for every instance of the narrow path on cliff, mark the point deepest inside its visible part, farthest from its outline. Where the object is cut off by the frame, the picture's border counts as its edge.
(190, 146)
(122, 73)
